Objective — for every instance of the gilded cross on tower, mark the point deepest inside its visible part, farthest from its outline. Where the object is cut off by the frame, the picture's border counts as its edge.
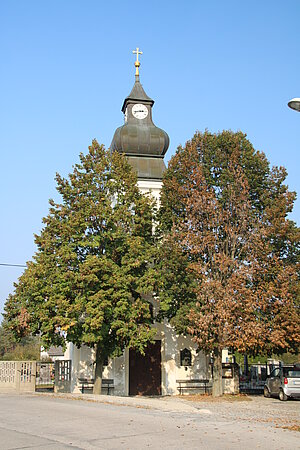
(137, 63)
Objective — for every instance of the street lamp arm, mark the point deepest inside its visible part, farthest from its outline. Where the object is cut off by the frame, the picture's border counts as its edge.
(294, 104)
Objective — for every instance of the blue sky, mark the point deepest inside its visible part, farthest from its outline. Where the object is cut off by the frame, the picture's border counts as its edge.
(67, 65)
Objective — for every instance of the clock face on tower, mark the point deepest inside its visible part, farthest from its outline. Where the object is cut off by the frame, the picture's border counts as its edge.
(139, 111)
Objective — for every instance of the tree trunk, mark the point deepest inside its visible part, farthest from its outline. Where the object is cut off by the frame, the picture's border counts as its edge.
(217, 389)
(98, 371)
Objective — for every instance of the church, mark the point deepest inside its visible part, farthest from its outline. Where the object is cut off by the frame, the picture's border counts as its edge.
(171, 357)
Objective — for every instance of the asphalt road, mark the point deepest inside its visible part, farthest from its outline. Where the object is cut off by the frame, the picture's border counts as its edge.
(48, 422)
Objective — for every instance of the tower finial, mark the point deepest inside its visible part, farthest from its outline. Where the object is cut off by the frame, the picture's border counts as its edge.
(137, 62)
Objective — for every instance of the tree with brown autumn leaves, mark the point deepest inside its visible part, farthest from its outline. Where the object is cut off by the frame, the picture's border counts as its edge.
(230, 256)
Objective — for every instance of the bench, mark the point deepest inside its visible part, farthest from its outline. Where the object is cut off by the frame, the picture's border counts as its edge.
(193, 384)
(88, 384)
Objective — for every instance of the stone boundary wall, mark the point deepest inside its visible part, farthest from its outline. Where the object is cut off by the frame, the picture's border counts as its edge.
(17, 376)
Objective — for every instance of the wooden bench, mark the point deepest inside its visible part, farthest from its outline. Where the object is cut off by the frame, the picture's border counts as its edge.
(193, 384)
(88, 384)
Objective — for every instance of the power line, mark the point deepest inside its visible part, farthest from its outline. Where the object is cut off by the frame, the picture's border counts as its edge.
(12, 265)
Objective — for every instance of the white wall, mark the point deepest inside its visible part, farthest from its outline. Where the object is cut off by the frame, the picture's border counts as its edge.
(118, 368)
(152, 187)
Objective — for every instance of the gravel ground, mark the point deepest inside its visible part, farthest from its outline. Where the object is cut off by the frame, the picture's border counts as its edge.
(255, 409)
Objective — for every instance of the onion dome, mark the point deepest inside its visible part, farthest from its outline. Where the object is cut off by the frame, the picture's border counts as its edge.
(144, 143)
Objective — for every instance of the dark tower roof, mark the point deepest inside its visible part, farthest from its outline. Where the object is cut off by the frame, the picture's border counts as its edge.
(142, 142)
(136, 95)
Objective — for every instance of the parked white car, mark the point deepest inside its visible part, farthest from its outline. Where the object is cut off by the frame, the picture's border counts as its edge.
(283, 382)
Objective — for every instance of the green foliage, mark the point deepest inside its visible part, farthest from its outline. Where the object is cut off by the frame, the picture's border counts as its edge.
(290, 358)
(87, 281)
(24, 351)
(7, 340)
(175, 284)
(10, 350)
(286, 358)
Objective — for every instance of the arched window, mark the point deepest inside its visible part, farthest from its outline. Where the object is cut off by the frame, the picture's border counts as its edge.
(185, 357)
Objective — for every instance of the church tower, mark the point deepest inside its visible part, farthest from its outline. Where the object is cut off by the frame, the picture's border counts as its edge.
(170, 357)
(143, 143)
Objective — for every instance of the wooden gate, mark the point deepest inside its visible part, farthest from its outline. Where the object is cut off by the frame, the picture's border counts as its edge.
(145, 371)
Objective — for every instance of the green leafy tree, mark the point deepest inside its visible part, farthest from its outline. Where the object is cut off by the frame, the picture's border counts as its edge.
(93, 265)
(27, 348)
(7, 340)
(224, 215)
